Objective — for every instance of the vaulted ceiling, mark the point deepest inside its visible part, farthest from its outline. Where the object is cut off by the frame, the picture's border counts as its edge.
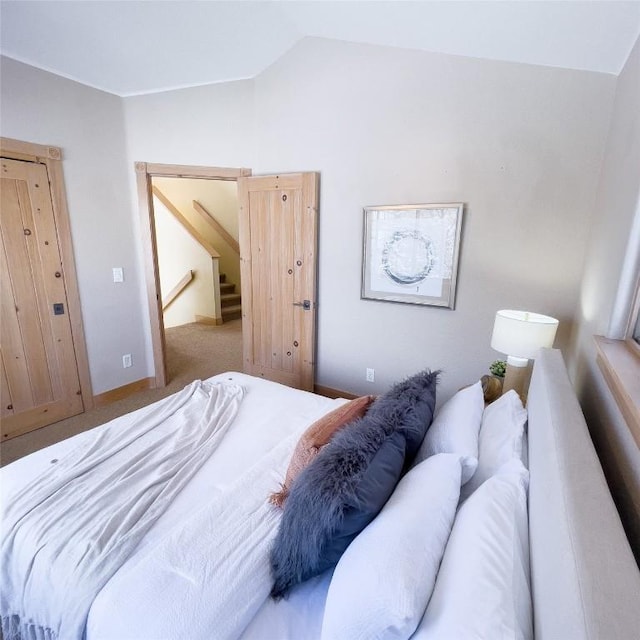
(135, 47)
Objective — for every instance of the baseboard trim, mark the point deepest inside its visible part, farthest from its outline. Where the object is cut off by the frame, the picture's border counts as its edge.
(332, 393)
(119, 393)
(209, 320)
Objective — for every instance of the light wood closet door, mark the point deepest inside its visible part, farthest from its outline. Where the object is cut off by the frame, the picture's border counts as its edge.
(278, 240)
(39, 374)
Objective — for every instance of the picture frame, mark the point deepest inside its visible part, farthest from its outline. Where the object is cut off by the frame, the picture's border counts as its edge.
(411, 252)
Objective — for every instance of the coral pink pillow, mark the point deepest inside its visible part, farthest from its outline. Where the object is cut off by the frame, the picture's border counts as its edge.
(315, 437)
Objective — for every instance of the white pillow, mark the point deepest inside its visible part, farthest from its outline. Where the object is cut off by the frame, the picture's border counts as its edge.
(482, 589)
(501, 438)
(383, 581)
(455, 429)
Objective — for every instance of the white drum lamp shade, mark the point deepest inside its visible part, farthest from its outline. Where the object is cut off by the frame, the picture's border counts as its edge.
(522, 334)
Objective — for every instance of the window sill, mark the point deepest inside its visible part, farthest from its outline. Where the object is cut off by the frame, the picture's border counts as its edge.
(619, 361)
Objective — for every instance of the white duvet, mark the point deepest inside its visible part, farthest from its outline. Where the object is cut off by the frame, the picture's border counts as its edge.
(193, 574)
(65, 533)
(208, 577)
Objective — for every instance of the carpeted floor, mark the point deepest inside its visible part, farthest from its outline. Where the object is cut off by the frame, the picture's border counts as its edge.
(194, 351)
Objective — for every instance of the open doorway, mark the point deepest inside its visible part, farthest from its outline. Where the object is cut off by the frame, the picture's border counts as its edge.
(278, 221)
(196, 226)
(190, 237)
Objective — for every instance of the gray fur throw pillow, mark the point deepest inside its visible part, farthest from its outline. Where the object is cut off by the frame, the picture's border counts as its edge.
(410, 405)
(349, 481)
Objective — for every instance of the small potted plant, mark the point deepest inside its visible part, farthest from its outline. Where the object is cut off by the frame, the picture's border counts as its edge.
(498, 368)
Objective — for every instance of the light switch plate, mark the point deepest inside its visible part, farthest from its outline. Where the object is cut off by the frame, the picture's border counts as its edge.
(118, 274)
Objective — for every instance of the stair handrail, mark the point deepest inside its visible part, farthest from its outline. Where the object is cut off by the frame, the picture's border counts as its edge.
(216, 225)
(195, 234)
(178, 289)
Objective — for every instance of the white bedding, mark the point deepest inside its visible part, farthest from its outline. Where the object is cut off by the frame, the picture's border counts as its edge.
(568, 488)
(299, 617)
(68, 531)
(197, 582)
(173, 546)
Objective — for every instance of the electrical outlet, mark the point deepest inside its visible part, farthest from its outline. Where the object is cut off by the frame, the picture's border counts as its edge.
(126, 360)
(371, 375)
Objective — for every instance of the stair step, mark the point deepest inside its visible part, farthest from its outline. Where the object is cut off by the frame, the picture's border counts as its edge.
(223, 277)
(227, 287)
(229, 313)
(230, 299)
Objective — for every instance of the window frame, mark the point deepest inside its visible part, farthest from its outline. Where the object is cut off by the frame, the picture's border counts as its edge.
(619, 361)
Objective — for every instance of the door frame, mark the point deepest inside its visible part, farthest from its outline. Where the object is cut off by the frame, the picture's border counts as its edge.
(145, 171)
(51, 157)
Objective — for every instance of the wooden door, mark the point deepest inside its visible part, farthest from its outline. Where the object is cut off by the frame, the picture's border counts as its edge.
(39, 374)
(278, 239)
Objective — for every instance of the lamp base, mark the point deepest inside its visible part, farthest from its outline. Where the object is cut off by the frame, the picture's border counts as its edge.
(517, 377)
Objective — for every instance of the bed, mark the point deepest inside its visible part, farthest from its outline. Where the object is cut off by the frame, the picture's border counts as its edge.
(202, 566)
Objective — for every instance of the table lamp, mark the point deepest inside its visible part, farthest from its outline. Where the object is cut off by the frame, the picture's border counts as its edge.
(520, 335)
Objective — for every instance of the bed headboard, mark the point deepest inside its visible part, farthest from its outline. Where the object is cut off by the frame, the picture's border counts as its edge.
(585, 581)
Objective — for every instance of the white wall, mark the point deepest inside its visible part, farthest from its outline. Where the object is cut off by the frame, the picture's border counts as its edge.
(521, 145)
(617, 200)
(88, 125)
(209, 126)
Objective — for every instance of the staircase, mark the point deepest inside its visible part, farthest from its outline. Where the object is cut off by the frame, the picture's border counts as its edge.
(230, 304)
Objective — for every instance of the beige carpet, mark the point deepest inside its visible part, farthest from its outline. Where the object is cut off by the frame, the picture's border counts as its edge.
(194, 351)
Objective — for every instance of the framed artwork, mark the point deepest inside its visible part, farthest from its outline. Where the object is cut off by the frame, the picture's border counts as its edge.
(411, 253)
